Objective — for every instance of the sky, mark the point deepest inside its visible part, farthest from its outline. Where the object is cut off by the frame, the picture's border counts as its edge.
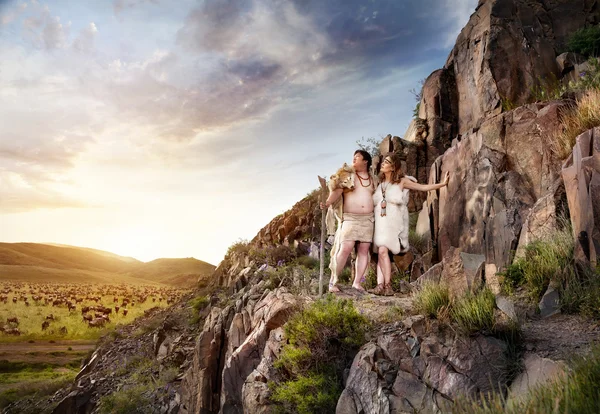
(152, 128)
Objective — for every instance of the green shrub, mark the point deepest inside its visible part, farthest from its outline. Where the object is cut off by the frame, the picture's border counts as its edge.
(585, 41)
(200, 302)
(576, 392)
(240, 246)
(331, 329)
(432, 299)
(345, 276)
(322, 340)
(133, 400)
(280, 255)
(543, 260)
(580, 292)
(308, 262)
(314, 393)
(392, 314)
(417, 241)
(508, 104)
(548, 88)
(475, 312)
(258, 255)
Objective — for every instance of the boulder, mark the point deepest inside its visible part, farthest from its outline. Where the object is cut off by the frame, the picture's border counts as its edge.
(581, 175)
(550, 303)
(270, 313)
(537, 371)
(462, 272)
(395, 374)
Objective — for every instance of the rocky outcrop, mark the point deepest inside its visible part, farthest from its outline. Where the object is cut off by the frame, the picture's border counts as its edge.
(581, 174)
(506, 48)
(302, 222)
(231, 347)
(498, 173)
(418, 369)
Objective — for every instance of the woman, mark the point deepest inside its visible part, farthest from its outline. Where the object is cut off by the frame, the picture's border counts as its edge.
(391, 217)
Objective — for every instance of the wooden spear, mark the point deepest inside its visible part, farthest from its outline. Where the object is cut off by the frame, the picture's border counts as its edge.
(322, 248)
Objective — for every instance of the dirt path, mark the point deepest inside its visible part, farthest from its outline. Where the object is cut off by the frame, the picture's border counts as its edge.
(560, 337)
(57, 352)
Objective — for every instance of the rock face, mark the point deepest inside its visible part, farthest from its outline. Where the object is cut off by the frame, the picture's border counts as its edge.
(506, 48)
(581, 174)
(301, 222)
(498, 173)
(413, 369)
(231, 347)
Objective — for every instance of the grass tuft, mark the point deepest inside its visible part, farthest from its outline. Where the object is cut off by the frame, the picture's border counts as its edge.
(580, 118)
(475, 312)
(432, 300)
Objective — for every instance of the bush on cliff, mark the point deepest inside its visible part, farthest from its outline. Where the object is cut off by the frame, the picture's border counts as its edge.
(543, 260)
(581, 117)
(322, 340)
(552, 261)
(585, 41)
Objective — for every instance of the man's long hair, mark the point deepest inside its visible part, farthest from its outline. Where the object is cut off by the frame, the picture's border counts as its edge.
(366, 156)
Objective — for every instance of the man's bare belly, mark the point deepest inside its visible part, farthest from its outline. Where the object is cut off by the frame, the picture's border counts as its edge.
(359, 200)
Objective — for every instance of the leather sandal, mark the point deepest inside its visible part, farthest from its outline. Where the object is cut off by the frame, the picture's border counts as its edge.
(378, 290)
(388, 291)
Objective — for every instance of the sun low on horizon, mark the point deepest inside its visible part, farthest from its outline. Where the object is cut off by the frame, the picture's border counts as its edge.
(154, 131)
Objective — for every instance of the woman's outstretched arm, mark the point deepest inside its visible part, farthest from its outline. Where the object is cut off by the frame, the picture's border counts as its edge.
(411, 185)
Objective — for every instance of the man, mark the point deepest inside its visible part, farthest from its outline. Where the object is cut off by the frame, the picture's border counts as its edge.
(357, 223)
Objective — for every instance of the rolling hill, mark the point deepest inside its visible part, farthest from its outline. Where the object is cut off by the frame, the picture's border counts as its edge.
(35, 262)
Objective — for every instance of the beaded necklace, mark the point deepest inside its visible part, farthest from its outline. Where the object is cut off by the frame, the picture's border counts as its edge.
(383, 202)
(361, 180)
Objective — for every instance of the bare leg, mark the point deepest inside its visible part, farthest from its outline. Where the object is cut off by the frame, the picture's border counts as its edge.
(362, 261)
(386, 265)
(341, 257)
(379, 273)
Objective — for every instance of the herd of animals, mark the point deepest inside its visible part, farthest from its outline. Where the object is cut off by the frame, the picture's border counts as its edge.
(93, 305)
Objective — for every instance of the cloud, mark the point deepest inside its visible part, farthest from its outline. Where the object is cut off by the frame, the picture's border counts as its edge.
(18, 195)
(84, 42)
(120, 5)
(44, 30)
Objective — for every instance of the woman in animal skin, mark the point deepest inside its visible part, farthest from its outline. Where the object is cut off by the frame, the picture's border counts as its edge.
(391, 217)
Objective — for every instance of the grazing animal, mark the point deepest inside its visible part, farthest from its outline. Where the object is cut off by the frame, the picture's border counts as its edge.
(62, 330)
(45, 325)
(14, 320)
(97, 323)
(125, 312)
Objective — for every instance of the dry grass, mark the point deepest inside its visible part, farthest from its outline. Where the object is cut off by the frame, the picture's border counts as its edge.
(582, 117)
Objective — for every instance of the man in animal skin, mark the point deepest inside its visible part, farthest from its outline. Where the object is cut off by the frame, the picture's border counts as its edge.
(358, 221)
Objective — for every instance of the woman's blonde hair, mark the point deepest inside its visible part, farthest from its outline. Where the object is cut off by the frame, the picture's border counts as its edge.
(397, 173)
